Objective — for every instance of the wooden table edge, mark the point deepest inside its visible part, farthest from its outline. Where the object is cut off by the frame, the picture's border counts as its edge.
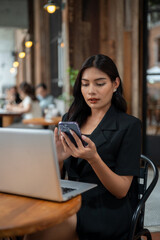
(42, 224)
(42, 121)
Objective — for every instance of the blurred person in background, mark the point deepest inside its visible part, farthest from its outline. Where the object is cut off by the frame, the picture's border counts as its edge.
(44, 98)
(29, 107)
(14, 92)
(12, 95)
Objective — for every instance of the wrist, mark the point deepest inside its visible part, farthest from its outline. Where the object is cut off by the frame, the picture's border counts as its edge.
(94, 160)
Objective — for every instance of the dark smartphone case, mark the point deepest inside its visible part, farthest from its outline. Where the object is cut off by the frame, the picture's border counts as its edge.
(67, 126)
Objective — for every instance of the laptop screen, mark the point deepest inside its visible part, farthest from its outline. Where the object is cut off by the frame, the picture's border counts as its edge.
(28, 163)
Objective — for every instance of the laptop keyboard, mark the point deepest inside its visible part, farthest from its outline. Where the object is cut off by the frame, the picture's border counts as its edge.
(67, 190)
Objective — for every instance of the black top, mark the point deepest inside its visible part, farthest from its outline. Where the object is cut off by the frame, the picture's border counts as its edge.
(118, 142)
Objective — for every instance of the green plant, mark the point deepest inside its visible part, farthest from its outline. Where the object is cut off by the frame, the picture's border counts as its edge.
(68, 98)
(72, 75)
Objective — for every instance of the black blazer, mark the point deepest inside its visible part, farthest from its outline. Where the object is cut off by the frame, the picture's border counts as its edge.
(118, 142)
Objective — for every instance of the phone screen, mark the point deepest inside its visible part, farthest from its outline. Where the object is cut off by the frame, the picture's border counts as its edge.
(67, 126)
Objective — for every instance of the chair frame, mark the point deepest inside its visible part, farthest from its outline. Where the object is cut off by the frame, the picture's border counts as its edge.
(137, 224)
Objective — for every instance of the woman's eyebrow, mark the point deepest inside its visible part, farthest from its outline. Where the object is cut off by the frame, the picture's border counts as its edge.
(84, 79)
(97, 79)
(102, 78)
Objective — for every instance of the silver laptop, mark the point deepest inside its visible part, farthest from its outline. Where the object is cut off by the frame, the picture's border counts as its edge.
(29, 166)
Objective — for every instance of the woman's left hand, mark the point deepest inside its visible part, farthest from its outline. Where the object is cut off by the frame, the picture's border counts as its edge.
(88, 152)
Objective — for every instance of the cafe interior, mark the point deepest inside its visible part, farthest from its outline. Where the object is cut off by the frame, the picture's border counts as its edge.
(43, 41)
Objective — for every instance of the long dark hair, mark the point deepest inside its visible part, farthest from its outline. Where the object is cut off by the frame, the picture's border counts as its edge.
(28, 90)
(79, 110)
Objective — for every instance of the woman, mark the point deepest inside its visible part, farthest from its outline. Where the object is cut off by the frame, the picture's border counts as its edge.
(29, 107)
(12, 95)
(111, 158)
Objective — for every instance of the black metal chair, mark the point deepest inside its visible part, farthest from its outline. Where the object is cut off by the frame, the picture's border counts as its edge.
(137, 225)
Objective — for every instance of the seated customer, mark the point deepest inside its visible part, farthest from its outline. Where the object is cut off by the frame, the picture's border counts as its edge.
(29, 107)
(110, 160)
(12, 95)
(44, 98)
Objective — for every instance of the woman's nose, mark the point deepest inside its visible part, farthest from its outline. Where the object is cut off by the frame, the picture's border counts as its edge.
(91, 89)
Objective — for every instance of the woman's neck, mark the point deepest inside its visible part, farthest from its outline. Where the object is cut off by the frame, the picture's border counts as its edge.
(99, 113)
(93, 121)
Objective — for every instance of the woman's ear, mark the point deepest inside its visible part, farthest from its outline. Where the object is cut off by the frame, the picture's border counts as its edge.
(117, 82)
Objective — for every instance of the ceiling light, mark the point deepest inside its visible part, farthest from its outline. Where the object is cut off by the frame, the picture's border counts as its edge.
(28, 44)
(15, 64)
(22, 55)
(62, 44)
(12, 70)
(50, 6)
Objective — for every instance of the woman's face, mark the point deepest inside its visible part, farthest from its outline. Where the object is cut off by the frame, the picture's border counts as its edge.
(97, 88)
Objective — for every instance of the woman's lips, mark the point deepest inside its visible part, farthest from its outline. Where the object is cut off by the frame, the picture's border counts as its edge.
(93, 100)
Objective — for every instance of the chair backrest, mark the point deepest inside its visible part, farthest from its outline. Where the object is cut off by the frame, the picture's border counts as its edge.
(144, 192)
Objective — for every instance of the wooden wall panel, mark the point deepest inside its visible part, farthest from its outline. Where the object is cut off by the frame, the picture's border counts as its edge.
(127, 68)
(135, 59)
(28, 66)
(109, 27)
(141, 59)
(83, 30)
(103, 25)
(119, 5)
(37, 43)
(65, 32)
(41, 44)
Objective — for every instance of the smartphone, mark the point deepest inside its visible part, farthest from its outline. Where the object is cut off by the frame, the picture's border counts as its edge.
(67, 126)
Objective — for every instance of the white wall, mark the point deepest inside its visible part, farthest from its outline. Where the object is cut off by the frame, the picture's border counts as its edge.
(6, 57)
(13, 16)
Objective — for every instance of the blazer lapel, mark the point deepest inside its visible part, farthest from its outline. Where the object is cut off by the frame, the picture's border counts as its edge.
(108, 124)
(101, 134)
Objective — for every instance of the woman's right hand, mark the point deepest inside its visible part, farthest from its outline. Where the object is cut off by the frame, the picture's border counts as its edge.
(62, 155)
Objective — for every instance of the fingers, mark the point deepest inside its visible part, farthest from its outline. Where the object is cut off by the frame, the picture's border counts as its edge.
(67, 140)
(76, 138)
(56, 136)
(67, 144)
(84, 152)
(87, 140)
(56, 130)
(63, 143)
